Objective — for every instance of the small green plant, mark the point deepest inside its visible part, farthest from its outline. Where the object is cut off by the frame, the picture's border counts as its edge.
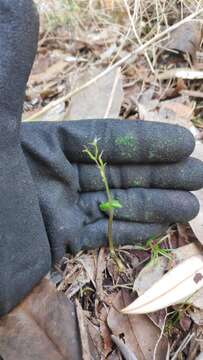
(111, 204)
(154, 246)
(175, 317)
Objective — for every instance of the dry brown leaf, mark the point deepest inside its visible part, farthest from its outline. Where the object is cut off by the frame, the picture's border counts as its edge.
(101, 99)
(105, 332)
(89, 264)
(101, 266)
(139, 333)
(196, 315)
(197, 299)
(95, 340)
(180, 110)
(83, 331)
(51, 72)
(151, 273)
(44, 327)
(79, 278)
(176, 111)
(186, 39)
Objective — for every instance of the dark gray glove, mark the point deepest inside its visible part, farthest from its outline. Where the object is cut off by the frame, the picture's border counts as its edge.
(24, 249)
(68, 185)
(148, 170)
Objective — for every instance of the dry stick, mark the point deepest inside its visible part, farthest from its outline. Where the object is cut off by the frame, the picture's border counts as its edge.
(183, 345)
(192, 93)
(161, 335)
(117, 77)
(118, 63)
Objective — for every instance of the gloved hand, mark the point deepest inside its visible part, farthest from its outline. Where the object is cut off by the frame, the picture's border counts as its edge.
(24, 248)
(68, 185)
(148, 171)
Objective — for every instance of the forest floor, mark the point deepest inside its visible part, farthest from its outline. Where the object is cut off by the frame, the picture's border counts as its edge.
(130, 60)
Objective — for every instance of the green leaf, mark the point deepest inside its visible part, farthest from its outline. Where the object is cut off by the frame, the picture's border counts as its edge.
(105, 206)
(114, 204)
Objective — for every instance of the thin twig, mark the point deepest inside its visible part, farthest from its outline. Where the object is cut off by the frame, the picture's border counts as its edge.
(183, 345)
(117, 77)
(160, 336)
(112, 67)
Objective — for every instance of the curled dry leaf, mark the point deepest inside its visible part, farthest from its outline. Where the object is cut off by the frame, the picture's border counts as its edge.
(174, 287)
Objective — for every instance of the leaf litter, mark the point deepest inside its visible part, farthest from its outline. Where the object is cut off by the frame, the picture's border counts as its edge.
(156, 74)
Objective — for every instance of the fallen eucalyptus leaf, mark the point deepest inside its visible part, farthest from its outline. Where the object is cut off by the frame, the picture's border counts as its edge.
(174, 287)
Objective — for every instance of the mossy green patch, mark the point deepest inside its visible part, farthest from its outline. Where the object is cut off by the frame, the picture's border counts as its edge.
(127, 140)
(138, 183)
(127, 145)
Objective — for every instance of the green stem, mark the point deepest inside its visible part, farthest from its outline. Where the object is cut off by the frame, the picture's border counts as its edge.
(110, 232)
(101, 166)
(111, 213)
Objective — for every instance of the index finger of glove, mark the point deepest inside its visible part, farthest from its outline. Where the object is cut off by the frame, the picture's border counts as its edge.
(132, 141)
(183, 175)
(121, 141)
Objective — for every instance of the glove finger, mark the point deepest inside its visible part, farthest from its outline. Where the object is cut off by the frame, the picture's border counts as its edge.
(143, 205)
(121, 141)
(123, 233)
(184, 175)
